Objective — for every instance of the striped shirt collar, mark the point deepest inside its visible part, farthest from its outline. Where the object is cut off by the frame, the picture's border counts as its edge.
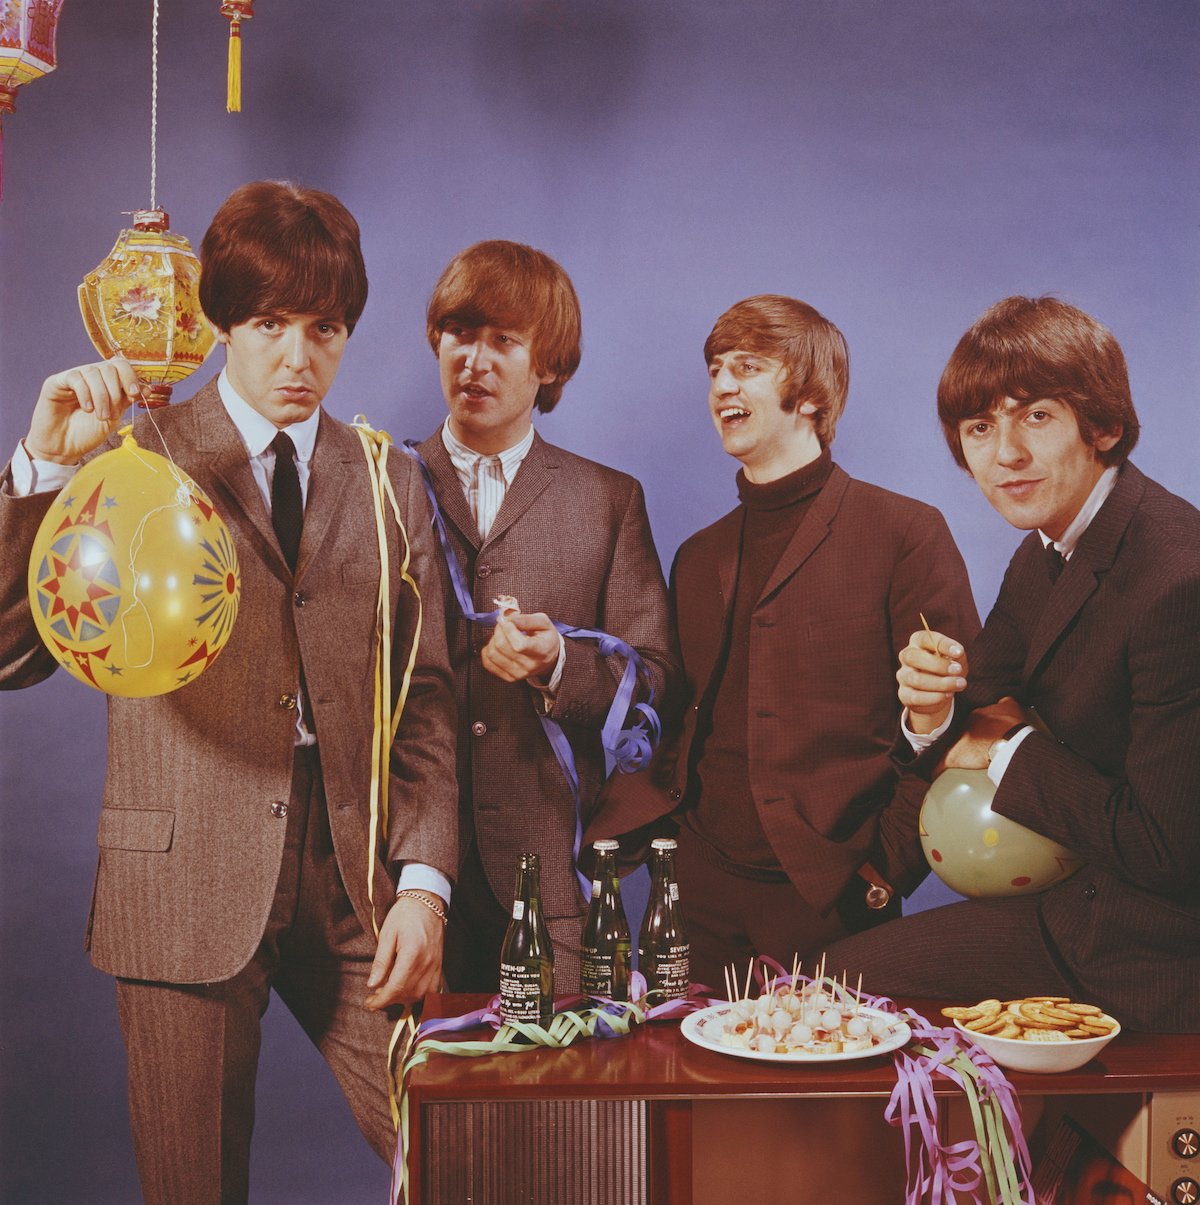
(464, 459)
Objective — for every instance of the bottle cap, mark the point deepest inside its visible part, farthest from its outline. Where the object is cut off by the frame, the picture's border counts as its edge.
(664, 843)
(606, 845)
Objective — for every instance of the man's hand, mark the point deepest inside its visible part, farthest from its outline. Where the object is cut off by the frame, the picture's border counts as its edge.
(77, 410)
(408, 959)
(932, 671)
(985, 727)
(522, 646)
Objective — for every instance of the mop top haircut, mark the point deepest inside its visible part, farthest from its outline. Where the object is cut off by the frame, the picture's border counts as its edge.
(812, 350)
(1035, 350)
(276, 248)
(509, 285)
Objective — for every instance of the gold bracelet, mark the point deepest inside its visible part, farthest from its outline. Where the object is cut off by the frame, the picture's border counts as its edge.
(411, 893)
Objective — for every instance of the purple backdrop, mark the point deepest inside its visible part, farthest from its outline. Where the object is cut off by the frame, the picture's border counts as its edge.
(899, 166)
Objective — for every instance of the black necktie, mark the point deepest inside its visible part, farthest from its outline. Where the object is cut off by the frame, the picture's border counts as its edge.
(1054, 562)
(287, 506)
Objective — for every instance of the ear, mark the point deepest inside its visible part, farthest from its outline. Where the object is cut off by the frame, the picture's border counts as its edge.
(547, 378)
(222, 336)
(1108, 441)
(806, 408)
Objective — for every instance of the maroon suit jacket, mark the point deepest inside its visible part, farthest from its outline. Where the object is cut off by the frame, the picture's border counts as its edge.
(844, 599)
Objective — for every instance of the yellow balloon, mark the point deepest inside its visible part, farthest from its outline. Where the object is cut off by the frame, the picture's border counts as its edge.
(133, 578)
(978, 852)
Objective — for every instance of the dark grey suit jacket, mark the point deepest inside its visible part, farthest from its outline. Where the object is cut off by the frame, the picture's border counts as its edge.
(1109, 657)
(571, 539)
(190, 849)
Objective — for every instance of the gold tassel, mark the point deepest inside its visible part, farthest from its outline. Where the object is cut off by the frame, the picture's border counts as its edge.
(233, 98)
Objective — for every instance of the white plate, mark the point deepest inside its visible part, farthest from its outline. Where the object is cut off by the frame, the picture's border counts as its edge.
(692, 1029)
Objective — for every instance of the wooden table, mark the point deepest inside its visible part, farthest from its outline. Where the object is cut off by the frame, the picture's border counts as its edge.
(675, 1081)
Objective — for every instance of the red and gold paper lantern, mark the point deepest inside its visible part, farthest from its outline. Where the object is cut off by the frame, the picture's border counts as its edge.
(27, 52)
(143, 302)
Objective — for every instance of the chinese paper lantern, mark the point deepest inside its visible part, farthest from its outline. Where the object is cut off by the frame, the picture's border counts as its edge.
(237, 11)
(143, 301)
(27, 52)
(133, 579)
(976, 851)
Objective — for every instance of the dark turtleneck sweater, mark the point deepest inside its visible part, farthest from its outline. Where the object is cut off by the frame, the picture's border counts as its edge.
(725, 817)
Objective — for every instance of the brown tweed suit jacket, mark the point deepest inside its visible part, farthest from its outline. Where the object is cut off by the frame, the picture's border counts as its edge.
(190, 849)
(571, 539)
(845, 597)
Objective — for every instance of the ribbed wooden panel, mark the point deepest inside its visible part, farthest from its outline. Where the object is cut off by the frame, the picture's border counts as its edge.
(575, 1152)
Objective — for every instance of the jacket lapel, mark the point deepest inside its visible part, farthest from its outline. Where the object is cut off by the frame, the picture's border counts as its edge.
(538, 471)
(451, 499)
(1093, 557)
(813, 530)
(334, 456)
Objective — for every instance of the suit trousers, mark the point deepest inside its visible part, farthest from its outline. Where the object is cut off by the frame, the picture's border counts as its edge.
(193, 1048)
(731, 919)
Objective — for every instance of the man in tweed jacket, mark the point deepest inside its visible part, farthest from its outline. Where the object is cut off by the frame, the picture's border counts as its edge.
(234, 836)
(790, 611)
(1095, 630)
(569, 540)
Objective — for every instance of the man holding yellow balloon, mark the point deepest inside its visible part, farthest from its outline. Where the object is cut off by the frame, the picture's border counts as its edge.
(255, 835)
(1080, 698)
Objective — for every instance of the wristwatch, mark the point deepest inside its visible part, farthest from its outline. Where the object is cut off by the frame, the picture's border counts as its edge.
(995, 747)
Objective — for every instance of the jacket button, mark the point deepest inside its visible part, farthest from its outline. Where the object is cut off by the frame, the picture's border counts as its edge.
(479, 728)
(1089, 892)
(482, 570)
(299, 599)
(287, 701)
(675, 794)
(279, 809)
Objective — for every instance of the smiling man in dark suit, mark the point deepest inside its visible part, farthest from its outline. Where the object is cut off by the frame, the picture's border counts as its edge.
(1095, 629)
(235, 857)
(790, 611)
(569, 540)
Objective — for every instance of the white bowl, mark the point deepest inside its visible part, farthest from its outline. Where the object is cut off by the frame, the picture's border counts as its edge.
(1042, 1057)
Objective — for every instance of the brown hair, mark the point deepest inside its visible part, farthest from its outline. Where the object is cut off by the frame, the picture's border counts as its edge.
(812, 350)
(498, 283)
(1040, 350)
(274, 247)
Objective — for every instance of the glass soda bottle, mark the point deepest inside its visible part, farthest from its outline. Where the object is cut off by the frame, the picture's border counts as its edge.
(663, 948)
(526, 955)
(607, 948)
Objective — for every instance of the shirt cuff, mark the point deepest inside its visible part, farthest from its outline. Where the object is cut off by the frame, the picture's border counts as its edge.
(549, 690)
(30, 476)
(417, 876)
(1004, 754)
(922, 740)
